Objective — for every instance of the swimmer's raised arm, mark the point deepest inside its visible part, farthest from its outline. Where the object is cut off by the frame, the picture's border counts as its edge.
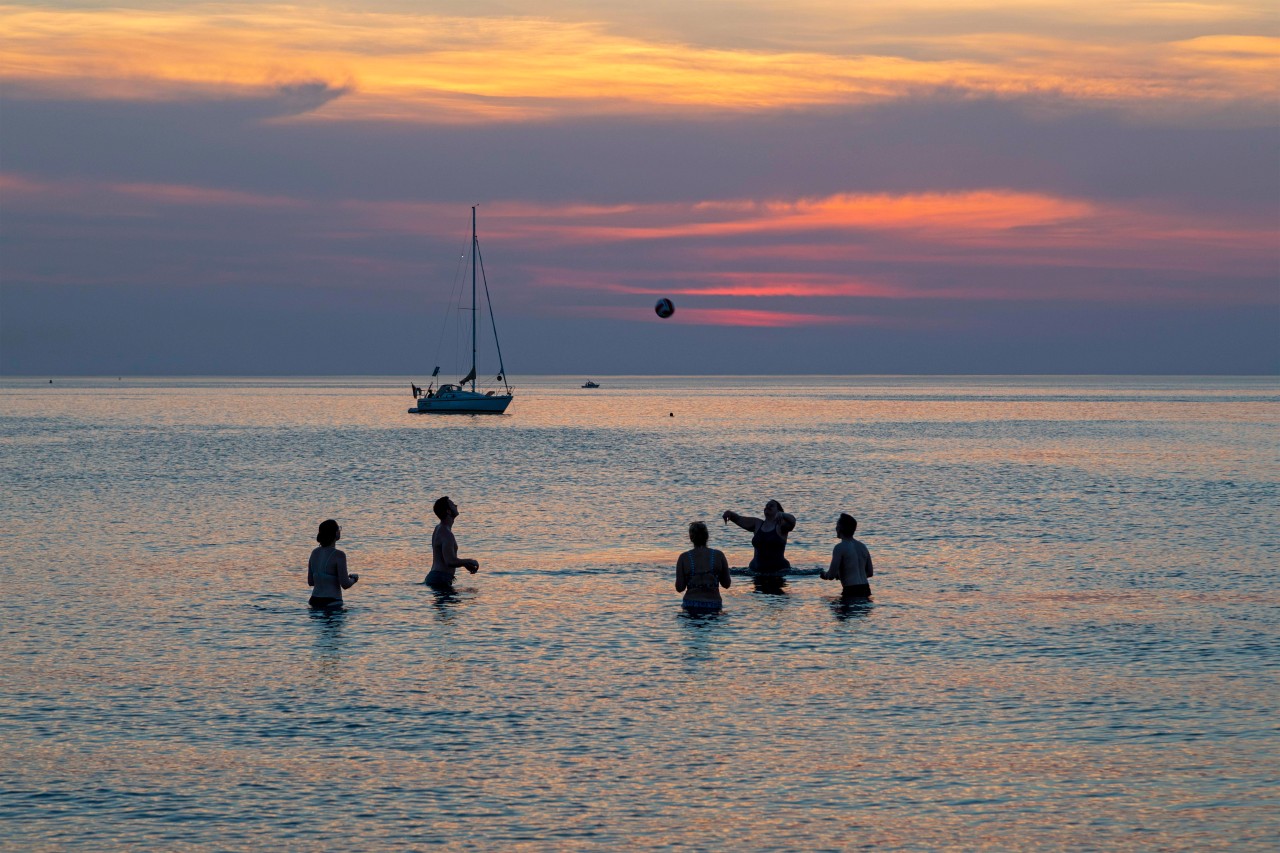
(746, 522)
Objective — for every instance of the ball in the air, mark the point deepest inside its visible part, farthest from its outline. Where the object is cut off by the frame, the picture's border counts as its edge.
(664, 308)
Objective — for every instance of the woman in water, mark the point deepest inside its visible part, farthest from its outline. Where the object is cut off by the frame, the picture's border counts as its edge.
(701, 572)
(850, 561)
(327, 569)
(769, 539)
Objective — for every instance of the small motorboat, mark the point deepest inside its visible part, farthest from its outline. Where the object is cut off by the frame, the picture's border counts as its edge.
(590, 384)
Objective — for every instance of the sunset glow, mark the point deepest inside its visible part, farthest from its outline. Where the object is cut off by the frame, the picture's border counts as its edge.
(947, 177)
(437, 68)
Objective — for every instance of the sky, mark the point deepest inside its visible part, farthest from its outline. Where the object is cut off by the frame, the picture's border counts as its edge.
(820, 186)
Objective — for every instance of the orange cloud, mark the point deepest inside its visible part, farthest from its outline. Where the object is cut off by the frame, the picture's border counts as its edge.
(77, 192)
(727, 284)
(762, 285)
(737, 317)
(956, 213)
(951, 217)
(803, 248)
(418, 67)
(763, 319)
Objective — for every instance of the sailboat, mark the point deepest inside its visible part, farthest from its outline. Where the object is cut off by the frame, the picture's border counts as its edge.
(456, 399)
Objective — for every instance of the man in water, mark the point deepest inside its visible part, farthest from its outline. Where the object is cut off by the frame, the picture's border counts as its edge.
(444, 548)
(850, 561)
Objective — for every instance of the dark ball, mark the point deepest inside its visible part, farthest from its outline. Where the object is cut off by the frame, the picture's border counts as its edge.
(665, 308)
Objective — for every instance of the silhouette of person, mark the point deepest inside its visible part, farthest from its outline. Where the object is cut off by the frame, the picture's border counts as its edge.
(445, 561)
(327, 569)
(769, 537)
(850, 560)
(701, 572)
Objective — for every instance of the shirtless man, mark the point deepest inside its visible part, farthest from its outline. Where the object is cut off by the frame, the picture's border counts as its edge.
(444, 548)
(850, 561)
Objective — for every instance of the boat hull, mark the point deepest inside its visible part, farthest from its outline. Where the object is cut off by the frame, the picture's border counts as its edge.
(462, 403)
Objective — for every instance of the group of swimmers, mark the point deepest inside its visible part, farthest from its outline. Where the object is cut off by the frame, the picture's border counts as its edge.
(700, 571)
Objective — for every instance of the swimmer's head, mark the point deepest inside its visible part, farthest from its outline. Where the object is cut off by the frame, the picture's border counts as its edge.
(445, 508)
(698, 534)
(772, 510)
(329, 532)
(846, 525)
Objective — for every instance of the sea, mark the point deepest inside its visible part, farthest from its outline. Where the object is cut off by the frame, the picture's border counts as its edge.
(1072, 643)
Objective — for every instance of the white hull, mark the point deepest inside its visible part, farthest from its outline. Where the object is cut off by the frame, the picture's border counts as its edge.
(462, 403)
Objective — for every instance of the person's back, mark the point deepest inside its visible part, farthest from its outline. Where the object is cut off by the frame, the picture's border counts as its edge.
(854, 558)
(701, 572)
(327, 568)
(850, 560)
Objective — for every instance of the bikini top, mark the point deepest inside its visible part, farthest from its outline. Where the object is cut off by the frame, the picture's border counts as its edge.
(702, 572)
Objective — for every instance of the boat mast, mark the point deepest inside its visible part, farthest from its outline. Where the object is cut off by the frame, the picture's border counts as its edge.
(473, 297)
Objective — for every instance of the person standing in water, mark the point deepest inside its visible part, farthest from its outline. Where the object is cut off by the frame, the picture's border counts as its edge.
(327, 569)
(850, 561)
(701, 572)
(445, 561)
(769, 539)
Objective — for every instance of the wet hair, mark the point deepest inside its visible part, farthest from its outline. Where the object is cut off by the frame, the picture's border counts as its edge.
(441, 508)
(698, 533)
(846, 525)
(778, 504)
(328, 533)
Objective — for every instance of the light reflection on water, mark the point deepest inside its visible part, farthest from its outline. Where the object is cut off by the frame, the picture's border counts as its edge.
(1072, 642)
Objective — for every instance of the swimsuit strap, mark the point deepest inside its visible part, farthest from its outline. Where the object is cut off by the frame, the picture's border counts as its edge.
(328, 552)
(708, 570)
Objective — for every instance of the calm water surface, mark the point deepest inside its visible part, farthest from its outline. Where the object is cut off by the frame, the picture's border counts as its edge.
(1073, 640)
